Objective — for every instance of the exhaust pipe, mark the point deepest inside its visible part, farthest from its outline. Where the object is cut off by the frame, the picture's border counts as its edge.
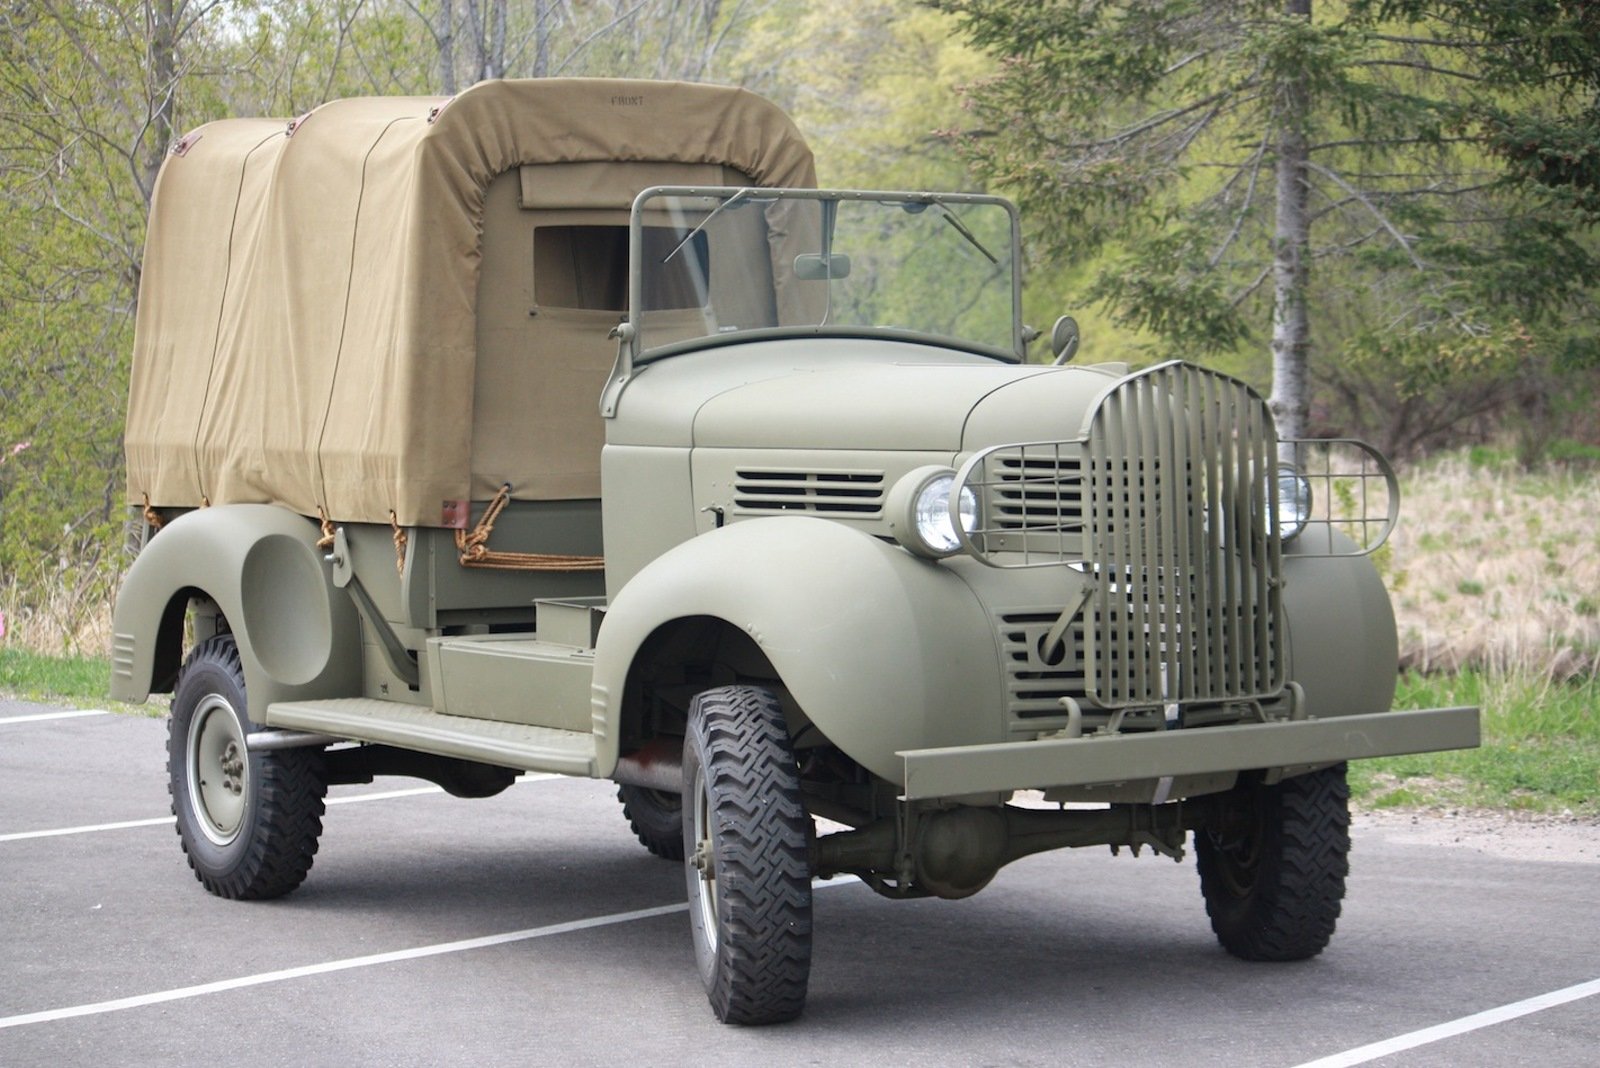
(657, 766)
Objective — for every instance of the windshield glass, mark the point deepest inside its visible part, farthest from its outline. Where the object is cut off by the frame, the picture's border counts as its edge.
(713, 263)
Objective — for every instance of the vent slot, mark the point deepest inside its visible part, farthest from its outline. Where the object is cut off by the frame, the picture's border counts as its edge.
(1031, 503)
(856, 494)
(1037, 678)
(1033, 492)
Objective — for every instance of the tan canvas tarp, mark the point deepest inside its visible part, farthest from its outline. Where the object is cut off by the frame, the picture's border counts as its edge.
(307, 319)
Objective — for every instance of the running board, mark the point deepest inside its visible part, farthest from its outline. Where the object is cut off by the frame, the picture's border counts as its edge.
(509, 745)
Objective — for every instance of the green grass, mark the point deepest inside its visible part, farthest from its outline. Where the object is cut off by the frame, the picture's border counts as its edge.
(78, 680)
(1540, 752)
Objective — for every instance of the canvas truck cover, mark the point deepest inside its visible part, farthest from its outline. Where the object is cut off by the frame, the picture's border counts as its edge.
(308, 329)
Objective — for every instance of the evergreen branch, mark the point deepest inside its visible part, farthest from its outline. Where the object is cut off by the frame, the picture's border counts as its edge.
(1245, 293)
(1426, 42)
(1332, 207)
(1329, 251)
(1375, 142)
(1154, 122)
(1417, 64)
(1244, 208)
(1377, 213)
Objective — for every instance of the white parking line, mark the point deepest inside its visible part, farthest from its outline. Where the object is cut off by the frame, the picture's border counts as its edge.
(178, 994)
(167, 821)
(75, 713)
(438, 949)
(1439, 1032)
(56, 832)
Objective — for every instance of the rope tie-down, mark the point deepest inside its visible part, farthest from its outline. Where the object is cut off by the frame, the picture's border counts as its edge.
(475, 552)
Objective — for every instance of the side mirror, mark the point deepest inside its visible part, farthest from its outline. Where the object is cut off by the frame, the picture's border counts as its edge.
(815, 267)
(1064, 340)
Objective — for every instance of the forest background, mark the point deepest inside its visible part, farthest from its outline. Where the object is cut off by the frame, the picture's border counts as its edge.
(1382, 212)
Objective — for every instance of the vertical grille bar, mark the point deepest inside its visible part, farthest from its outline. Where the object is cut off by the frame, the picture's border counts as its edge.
(1155, 599)
(1136, 633)
(1179, 537)
(1265, 458)
(1235, 523)
(1181, 531)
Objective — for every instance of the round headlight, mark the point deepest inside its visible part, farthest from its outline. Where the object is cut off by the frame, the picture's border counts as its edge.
(922, 516)
(1294, 502)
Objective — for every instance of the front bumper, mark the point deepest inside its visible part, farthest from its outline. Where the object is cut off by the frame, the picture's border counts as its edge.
(1095, 759)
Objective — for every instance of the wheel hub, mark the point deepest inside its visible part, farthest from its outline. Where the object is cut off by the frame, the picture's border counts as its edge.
(232, 769)
(703, 861)
(218, 770)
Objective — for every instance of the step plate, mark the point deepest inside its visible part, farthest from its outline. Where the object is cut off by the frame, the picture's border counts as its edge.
(511, 745)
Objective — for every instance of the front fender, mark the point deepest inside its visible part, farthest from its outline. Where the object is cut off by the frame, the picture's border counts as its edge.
(881, 651)
(1343, 649)
(298, 636)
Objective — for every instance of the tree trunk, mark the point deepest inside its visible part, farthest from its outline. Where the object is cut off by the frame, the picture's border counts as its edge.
(1291, 246)
(475, 39)
(541, 34)
(495, 65)
(446, 36)
(162, 22)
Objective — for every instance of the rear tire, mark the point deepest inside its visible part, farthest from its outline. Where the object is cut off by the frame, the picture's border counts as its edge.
(656, 818)
(748, 871)
(248, 822)
(1273, 881)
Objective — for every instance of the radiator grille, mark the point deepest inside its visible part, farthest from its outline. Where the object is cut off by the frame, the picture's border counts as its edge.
(1178, 535)
(838, 493)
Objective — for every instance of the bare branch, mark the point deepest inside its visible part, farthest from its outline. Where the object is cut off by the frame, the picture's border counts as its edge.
(596, 35)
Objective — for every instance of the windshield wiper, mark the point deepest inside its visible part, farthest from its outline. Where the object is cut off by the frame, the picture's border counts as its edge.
(718, 210)
(961, 228)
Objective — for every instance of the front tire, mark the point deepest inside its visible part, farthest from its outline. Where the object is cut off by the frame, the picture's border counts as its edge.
(1273, 878)
(248, 822)
(747, 869)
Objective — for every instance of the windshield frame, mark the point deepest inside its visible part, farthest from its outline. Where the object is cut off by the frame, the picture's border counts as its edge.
(631, 334)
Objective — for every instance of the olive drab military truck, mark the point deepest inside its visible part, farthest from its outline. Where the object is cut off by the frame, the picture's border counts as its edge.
(565, 426)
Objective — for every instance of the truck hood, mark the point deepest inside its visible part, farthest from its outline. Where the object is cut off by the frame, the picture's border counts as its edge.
(885, 407)
(912, 407)
(850, 394)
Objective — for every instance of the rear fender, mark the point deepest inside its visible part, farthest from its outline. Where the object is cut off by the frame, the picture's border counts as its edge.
(880, 651)
(298, 636)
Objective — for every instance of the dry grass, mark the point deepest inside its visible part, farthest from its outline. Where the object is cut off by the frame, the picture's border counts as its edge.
(68, 615)
(1497, 569)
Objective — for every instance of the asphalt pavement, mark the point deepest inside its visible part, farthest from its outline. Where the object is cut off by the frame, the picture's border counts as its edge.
(532, 928)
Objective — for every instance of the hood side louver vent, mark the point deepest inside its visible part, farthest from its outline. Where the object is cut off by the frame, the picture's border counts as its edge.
(839, 493)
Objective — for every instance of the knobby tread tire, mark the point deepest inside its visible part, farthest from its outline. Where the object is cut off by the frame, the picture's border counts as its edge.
(282, 820)
(1276, 896)
(739, 747)
(657, 824)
